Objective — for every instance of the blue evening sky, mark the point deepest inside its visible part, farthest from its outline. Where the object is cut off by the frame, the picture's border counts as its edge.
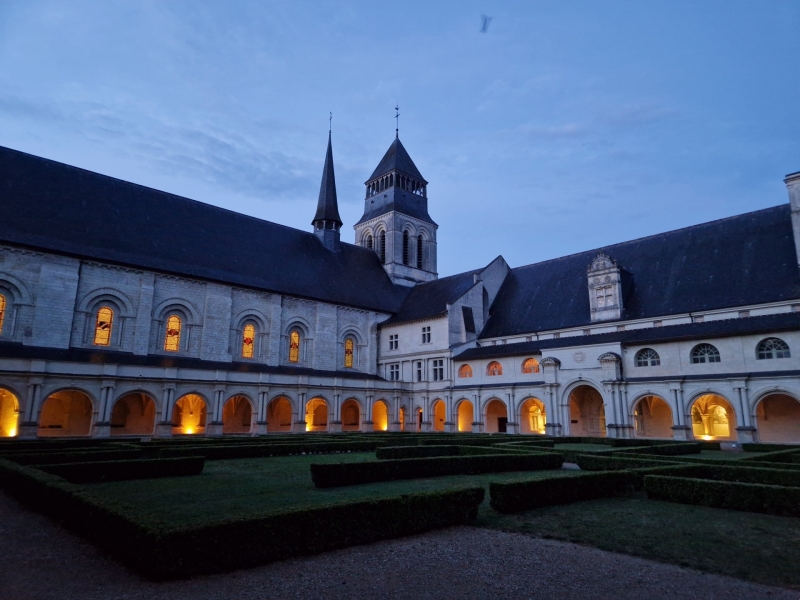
(568, 125)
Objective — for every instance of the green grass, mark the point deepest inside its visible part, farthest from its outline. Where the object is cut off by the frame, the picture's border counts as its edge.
(761, 548)
(721, 455)
(258, 486)
(583, 447)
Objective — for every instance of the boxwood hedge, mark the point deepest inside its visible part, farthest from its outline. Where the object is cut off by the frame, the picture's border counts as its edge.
(119, 470)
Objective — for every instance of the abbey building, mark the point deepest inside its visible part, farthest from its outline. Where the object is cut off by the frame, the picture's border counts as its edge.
(126, 311)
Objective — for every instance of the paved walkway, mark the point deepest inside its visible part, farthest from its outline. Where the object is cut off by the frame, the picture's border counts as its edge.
(41, 561)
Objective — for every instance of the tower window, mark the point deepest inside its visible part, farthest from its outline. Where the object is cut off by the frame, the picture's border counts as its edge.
(419, 370)
(294, 346)
(172, 337)
(419, 251)
(348, 353)
(370, 243)
(382, 248)
(102, 326)
(405, 248)
(2, 311)
(248, 340)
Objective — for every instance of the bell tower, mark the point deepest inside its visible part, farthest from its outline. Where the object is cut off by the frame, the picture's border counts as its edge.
(396, 224)
(326, 220)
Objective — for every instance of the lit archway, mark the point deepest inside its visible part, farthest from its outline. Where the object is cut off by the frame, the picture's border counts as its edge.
(778, 419)
(279, 415)
(587, 415)
(237, 415)
(496, 417)
(439, 415)
(9, 414)
(713, 418)
(532, 416)
(66, 413)
(317, 415)
(189, 415)
(380, 416)
(402, 418)
(133, 414)
(351, 415)
(652, 418)
(418, 420)
(465, 418)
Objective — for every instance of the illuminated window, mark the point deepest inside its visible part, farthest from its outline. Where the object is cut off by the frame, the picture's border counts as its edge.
(294, 346)
(172, 339)
(102, 327)
(348, 353)
(772, 348)
(2, 311)
(705, 353)
(647, 357)
(494, 368)
(465, 371)
(419, 251)
(531, 365)
(248, 340)
(405, 248)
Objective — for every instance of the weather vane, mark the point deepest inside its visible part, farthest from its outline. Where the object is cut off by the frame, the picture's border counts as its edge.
(397, 120)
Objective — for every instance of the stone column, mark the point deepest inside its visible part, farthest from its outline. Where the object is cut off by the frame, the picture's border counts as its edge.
(681, 431)
(477, 421)
(299, 421)
(214, 428)
(745, 431)
(449, 426)
(101, 427)
(261, 412)
(164, 424)
(29, 427)
(335, 424)
(512, 426)
(366, 424)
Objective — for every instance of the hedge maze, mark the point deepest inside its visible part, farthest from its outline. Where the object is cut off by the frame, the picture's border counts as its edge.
(66, 480)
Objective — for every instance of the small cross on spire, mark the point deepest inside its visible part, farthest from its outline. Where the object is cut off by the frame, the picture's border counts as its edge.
(397, 120)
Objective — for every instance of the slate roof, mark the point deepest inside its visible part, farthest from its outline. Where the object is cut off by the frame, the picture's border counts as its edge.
(738, 261)
(396, 157)
(51, 206)
(328, 205)
(671, 333)
(430, 299)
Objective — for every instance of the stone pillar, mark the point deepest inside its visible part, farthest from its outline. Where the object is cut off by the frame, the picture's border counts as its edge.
(261, 412)
(477, 421)
(101, 427)
(299, 421)
(553, 414)
(164, 424)
(214, 427)
(449, 426)
(680, 430)
(512, 426)
(745, 431)
(29, 427)
(335, 424)
(366, 424)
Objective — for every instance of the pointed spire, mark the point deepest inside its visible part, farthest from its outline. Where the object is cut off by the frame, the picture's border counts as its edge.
(328, 206)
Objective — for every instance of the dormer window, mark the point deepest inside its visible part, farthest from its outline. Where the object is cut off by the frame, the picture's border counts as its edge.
(605, 289)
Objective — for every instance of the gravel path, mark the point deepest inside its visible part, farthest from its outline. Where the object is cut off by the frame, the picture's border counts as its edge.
(41, 561)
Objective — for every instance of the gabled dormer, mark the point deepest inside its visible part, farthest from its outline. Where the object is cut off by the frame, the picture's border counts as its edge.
(605, 289)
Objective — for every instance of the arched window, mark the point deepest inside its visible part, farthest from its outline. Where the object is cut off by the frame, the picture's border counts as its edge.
(102, 326)
(465, 371)
(2, 311)
(647, 357)
(405, 247)
(382, 246)
(772, 348)
(172, 338)
(369, 241)
(248, 340)
(348, 353)
(705, 353)
(531, 365)
(494, 368)
(419, 251)
(294, 346)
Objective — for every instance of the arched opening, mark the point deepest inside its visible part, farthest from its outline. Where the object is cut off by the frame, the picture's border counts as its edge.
(713, 418)
(439, 415)
(418, 420)
(382, 246)
(133, 414)
(237, 415)
(587, 415)
(531, 365)
(380, 416)
(406, 249)
(494, 368)
(317, 415)
(465, 371)
(402, 418)
(294, 346)
(778, 419)
(9, 414)
(189, 415)
(652, 418)
(279, 415)
(465, 416)
(351, 415)
(496, 417)
(68, 412)
(532, 416)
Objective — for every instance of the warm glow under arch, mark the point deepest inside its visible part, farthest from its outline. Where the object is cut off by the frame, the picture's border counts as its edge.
(494, 368)
(237, 415)
(587, 412)
(532, 416)
(778, 418)
(531, 365)
(713, 418)
(9, 414)
(380, 416)
(351, 415)
(65, 413)
(495, 416)
(102, 326)
(189, 415)
(317, 415)
(465, 416)
(133, 414)
(465, 371)
(2, 311)
(439, 411)
(279, 415)
(652, 418)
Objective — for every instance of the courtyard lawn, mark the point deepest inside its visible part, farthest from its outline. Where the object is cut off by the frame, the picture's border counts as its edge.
(761, 548)
(250, 487)
(722, 454)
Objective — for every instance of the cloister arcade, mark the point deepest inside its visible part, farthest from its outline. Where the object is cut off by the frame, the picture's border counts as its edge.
(652, 418)
(237, 415)
(66, 413)
(351, 415)
(189, 415)
(9, 414)
(586, 412)
(778, 418)
(380, 416)
(532, 416)
(133, 414)
(279, 415)
(439, 414)
(317, 415)
(464, 416)
(495, 417)
(713, 418)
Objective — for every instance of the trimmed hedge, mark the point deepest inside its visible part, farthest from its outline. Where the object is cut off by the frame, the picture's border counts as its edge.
(781, 456)
(226, 452)
(664, 449)
(763, 447)
(517, 496)
(119, 470)
(163, 553)
(750, 497)
(616, 462)
(341, 474)
(396, 452)
(51, 458)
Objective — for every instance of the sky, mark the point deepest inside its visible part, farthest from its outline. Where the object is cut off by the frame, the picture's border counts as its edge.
(565, 126)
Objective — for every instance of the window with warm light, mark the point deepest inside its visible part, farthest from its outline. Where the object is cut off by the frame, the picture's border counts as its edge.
(102, 326)
(294, 346)
(531, 365)
(172, 337)
(2, 311)
(494, 368)
(465, 371)
(248, 340)
(348, 353)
